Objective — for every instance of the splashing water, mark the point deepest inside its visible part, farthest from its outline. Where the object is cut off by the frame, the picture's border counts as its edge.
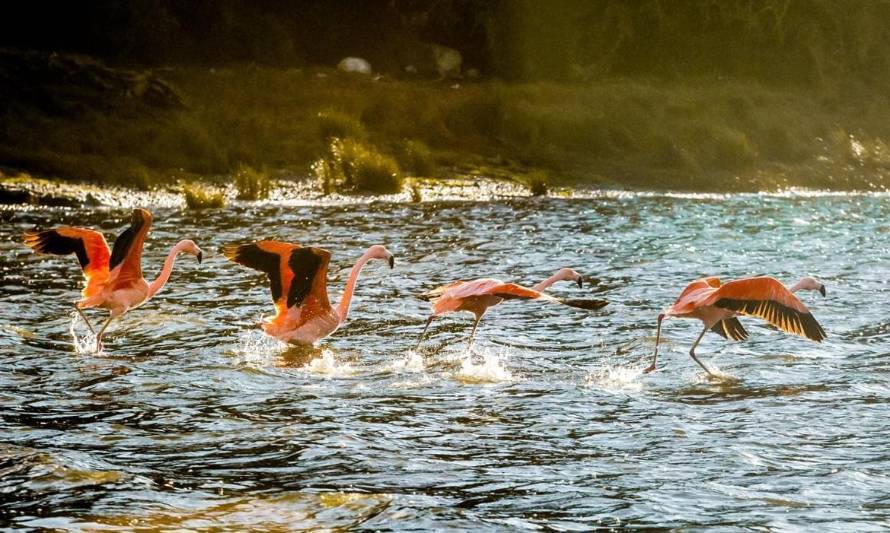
(716, 376)
(85, 344)
(491, 370)
(616, 378)
(327, 365)
(256, 349)
(412, 362)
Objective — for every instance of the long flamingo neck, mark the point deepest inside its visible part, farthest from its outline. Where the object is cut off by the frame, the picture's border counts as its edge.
(346, 299)
(798, 286)
(162, 278)
(540, 287)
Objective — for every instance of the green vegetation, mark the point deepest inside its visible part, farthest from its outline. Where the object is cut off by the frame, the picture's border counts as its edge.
(351, 165)
(334, 124)
(416, 195)
(199, 196)
(701, 134)
(251, 184)
(416, 158)
(538, 184)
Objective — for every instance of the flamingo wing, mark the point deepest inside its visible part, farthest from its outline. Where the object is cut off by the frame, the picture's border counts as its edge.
(293, 271)
(309, 268)
(730, 328)
(127, 250)
(438, 291)
(767, 298)
(89, 246)
(512, 291)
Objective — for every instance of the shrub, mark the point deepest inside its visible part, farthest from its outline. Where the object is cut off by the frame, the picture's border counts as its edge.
(538, 184)
(199, 196)
(327, 170)
(337, 124)
(352, 165)
(416, 158)
(416, 196)
(251, 184)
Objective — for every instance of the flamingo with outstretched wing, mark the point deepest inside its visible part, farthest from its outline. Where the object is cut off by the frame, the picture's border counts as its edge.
(113, 277)
(717, 306)
(479, 295)
(298, 281)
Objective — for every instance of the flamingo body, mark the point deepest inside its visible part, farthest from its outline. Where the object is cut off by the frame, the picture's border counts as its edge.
(477, 296)
(718, 305)
(298, 283)
(113, 277)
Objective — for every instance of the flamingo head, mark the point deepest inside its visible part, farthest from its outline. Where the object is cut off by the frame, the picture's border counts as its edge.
(567, 274)
(380, 252)
(809, 283)
(189, 247)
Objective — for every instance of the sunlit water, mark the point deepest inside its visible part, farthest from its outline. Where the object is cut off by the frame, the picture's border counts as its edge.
(191, 418)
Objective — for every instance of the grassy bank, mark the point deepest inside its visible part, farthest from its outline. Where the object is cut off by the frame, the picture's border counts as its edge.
(698, 134)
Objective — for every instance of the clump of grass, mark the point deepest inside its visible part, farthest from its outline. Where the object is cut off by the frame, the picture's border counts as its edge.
(251, 183)
(327, 170)
(416, 195)
(351, 165)
(333, 124)
(538, 184)
(199, 196)
(416, 158)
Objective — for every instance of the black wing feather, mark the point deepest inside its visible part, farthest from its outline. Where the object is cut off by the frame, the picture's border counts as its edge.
(51, 242)
(781, 316)
(124, 241)
(252, 256)
(730, 328)
(586, 303)
(304, 263)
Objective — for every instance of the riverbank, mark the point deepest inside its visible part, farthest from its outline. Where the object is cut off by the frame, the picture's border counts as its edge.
(26, 190)
(80, 120)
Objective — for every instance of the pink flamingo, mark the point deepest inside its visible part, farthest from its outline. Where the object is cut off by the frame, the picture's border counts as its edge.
(717, 306)
(113, 277)
(479, 295)
(298, 279)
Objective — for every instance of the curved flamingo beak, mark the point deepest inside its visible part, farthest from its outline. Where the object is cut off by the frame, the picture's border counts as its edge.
(392, 262)
(822, 290)
(200, 257)
(580, 281)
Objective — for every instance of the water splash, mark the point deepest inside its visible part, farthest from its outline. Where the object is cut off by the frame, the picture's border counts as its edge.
(616, 377)
(85, 344)
(491, 370)
(412, 362)
(256, 349)
(716, 376)
(327, 365)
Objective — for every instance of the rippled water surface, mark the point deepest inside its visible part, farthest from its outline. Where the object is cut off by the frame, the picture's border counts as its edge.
(190, 418)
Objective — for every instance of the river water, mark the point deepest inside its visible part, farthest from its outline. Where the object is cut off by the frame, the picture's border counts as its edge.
(191, 418)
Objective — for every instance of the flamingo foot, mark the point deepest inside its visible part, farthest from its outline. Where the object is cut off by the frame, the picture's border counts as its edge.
(649, 369)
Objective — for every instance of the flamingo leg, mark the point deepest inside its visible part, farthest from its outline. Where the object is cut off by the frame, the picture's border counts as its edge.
(102, 332)
(473, 334)
(692, 351)
(84, 317)
(428, 322)
(651, 367)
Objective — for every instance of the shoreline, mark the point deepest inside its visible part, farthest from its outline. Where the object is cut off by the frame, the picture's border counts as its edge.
(26, 191)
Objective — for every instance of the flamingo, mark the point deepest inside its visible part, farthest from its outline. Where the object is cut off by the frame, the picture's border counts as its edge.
(298, 279)
(717, 306)
(113, 277)
(479, 295)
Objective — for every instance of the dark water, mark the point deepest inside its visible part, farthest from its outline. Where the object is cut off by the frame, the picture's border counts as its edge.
(192, 419)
